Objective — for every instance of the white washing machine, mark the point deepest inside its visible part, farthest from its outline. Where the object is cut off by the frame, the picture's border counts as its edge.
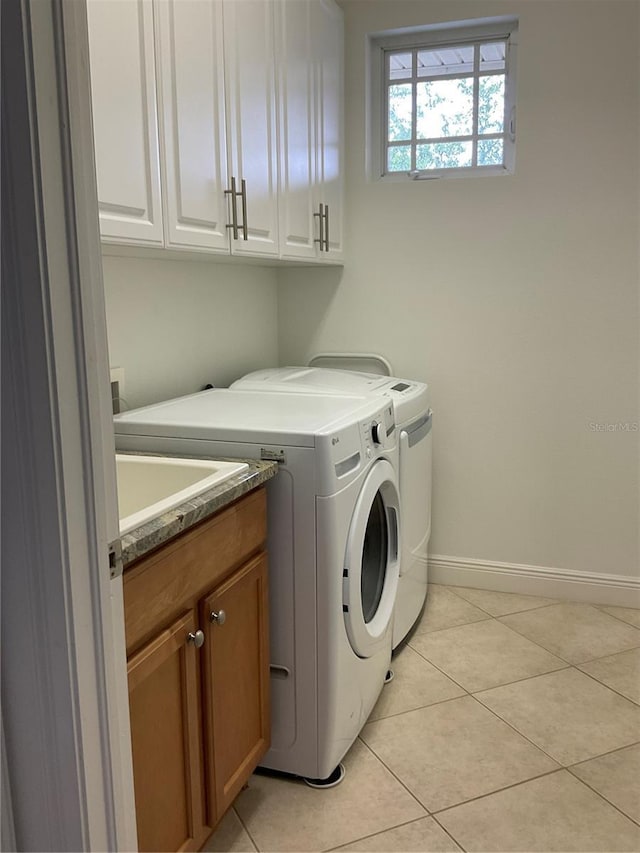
(333, 544)
(413, 422)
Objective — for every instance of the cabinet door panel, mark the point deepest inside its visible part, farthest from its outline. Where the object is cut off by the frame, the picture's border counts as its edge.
(121, 48)
(327, 28)
(251, 119)
(193, 119)
(164, 699)
(298, 228)
(236, 682)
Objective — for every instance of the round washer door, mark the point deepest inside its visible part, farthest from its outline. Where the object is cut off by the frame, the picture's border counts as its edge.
(372, 560)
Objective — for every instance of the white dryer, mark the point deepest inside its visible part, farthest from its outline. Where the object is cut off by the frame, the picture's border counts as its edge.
(333, 546)
(413, 421)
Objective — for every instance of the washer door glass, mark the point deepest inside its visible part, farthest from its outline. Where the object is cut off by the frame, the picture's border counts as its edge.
(370, 577)
(374, 559)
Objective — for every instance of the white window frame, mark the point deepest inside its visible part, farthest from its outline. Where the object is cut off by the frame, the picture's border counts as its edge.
(429, 38)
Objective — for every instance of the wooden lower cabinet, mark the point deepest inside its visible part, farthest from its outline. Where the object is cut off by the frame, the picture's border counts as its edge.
(236, 682)
(198, 685)
(164, 705)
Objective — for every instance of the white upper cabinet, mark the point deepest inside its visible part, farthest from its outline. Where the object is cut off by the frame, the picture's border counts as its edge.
(296, 101)
(249, 62)
(123, 86)
(310, 45)
(248, 133)
(327, 27)
(191, 89)
(217, 96)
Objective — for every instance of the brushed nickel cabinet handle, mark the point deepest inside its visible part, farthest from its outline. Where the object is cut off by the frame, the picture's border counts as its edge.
(326, 227)
(219, 618)
(196, 639)
(243, 194)
(234, 208)
(320, 217)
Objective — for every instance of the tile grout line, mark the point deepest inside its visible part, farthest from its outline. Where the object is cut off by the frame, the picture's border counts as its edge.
(601, 607)
(599, 793)
(604, 684)
(246, 828)
(498, 620)
(536, 746)
(532, 742)
(466, 692)
(604, 754)
(524, 636)
(497, 686)
(430, 704)
(613, 654)
(450, 834)
(512, 612)
(420, 708)
(435, 814)
(471, 799)
(398, 780)
(520, 634)
(566, 663)
(514, 729)
(572, 663)
(462, 598)
(441, 671)
(520, 680)
(373, 834)
(485, 618)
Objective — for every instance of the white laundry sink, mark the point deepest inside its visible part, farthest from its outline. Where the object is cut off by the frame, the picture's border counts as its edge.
(149, 486)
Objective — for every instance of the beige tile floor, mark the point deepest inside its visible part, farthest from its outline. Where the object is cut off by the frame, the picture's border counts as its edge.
(513, 723)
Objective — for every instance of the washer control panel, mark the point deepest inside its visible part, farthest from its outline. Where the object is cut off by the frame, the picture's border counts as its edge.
(344, 451)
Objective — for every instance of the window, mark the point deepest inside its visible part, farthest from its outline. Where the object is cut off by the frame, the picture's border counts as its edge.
(446, 105)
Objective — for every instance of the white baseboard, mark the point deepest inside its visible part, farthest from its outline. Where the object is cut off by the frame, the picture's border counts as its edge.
(615, 590)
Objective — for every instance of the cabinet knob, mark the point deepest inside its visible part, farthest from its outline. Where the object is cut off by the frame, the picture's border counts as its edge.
(220, 617)
(196, 639)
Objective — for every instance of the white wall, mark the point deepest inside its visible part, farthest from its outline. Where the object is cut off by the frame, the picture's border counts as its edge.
(176, 325)
(516, 297)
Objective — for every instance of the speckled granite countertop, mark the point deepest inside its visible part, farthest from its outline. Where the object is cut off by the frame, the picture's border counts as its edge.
(149, 536)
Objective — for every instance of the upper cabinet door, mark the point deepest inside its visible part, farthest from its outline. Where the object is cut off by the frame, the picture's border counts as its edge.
(297, 136)
(251, 122)
(327, 29)
(191, 75)
(121, 42)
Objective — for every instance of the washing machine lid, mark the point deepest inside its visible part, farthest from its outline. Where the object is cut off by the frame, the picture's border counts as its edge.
(410, 398)
(242, 416)
(311, 380)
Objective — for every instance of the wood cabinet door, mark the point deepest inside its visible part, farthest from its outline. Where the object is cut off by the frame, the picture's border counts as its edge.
(125, 126)
(327, 28)
(236, 682)
(191, 73)
(249, 60)
(164, 700)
